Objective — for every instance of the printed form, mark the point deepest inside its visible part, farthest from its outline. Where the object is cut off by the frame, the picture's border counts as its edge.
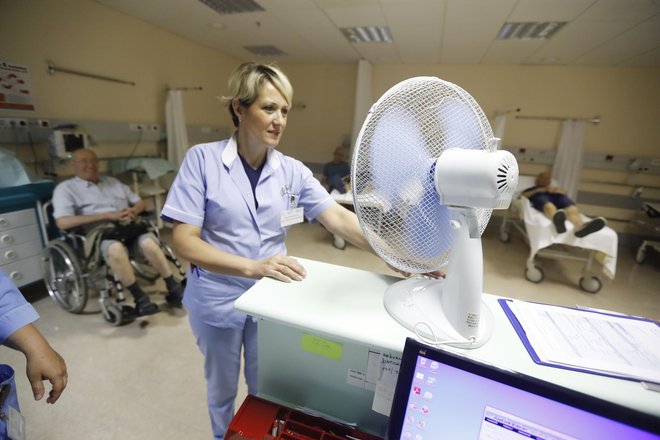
(611, 344)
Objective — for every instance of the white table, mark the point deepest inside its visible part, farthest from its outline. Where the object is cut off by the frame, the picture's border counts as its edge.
(346, 305)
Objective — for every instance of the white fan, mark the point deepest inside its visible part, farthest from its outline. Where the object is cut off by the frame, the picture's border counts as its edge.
(426, 174)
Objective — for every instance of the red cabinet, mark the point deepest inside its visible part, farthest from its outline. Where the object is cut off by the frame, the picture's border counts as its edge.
(259, 419)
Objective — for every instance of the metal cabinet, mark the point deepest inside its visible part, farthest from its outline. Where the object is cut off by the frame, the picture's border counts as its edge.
(21, 244)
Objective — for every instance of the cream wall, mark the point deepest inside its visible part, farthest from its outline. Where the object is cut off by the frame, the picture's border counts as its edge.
(84, 35)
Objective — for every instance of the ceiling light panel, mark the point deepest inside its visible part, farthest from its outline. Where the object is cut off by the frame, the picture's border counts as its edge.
(529, 30)
(233, 6)
(367, 34)
(265, 51)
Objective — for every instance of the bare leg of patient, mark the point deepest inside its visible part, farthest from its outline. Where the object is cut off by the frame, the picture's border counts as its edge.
(155, 257)
(119, 263)
(549, 210)
(573, 216)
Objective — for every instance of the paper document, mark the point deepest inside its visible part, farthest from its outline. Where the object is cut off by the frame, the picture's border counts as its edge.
(604, 343)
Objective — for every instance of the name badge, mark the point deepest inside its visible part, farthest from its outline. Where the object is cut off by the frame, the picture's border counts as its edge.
(291, 217)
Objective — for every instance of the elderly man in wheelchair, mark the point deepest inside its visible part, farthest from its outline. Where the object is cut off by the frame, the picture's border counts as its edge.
(105, 215)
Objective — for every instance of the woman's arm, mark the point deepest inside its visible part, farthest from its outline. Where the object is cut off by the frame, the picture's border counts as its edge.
(189, 245)
(43, 363)
(339, 220)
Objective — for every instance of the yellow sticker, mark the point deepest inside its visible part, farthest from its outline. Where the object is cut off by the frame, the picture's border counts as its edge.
(320, 346)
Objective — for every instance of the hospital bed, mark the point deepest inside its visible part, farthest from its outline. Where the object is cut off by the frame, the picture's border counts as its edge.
(648, 218)
(597, 249)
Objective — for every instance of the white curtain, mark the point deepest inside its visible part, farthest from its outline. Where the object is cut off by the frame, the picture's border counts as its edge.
(363, 99)
(568, 160)
(177, 135)
(498, 126)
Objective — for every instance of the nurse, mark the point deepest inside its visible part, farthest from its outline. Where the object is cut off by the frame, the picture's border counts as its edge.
(231, 204)
(42, 361)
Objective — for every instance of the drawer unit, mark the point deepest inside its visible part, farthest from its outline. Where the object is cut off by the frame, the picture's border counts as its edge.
(25, 271)
(10, 254)
(21, 245)
(10, 220)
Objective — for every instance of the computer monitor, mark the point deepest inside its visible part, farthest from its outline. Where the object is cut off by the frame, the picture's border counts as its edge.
(440, 395)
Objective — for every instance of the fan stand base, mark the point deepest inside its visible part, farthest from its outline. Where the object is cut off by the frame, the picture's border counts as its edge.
(416, 303)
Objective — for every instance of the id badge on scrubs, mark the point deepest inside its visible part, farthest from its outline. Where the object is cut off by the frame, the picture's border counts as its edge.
(291, 217)
(293, 214)
(15, 424)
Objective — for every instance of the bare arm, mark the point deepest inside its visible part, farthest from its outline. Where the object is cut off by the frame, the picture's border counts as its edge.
(43, 363)
(188, 244)
(73, 221)
(339, 220)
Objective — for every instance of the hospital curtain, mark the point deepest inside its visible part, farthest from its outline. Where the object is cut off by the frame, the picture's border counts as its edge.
(363, 100)
(177, 135)
(568, 160)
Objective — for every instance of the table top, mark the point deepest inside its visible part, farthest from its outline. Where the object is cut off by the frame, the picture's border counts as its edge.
(347, 303)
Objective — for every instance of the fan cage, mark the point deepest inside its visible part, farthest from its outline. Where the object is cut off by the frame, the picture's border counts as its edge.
(397, 204)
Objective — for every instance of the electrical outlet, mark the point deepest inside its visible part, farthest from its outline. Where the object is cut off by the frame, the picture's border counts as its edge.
(136, 127)
(154, 127)
(13, 123)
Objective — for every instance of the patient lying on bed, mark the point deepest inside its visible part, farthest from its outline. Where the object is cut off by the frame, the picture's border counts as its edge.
(558, 207)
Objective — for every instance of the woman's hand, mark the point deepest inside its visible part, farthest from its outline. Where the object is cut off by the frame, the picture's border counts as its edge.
(281, 268)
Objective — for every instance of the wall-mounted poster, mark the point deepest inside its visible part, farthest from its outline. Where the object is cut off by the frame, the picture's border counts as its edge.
(15, 87)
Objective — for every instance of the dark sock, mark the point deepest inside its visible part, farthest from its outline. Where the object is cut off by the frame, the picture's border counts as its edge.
(171, 283)
(136, 291)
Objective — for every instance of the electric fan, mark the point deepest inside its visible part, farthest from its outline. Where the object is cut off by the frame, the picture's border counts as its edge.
(426, 174)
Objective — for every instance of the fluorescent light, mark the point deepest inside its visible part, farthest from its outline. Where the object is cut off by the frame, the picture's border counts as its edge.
(529, 30)
(367, 34)
(232, 6)
(268, 51)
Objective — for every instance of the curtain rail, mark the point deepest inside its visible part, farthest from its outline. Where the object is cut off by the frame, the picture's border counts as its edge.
(593, 120)
(52, 69)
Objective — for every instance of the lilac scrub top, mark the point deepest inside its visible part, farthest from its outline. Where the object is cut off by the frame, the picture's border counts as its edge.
(212, 191)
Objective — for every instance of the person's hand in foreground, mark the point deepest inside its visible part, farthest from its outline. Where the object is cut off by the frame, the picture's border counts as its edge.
(43, 363)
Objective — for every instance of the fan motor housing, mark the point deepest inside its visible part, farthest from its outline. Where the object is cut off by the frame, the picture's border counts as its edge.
(476, 178)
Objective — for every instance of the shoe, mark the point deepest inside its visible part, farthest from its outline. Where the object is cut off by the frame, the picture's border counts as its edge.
(144, 306)
(559, 220)
(594, 225)
(175, 296)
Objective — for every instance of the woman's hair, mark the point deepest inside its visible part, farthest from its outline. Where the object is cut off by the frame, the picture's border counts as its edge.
(246, 79)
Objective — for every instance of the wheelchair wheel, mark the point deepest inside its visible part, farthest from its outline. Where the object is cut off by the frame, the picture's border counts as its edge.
(144, 270)
(63, 277)
(118, 316)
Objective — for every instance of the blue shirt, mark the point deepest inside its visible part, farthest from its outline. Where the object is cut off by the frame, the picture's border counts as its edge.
(78, 196)
(212, 191)
(15, 311)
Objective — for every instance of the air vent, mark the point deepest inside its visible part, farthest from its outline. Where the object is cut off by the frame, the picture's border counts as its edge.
(529, 31)
(266, 51)
(232, 6)
(368, 34)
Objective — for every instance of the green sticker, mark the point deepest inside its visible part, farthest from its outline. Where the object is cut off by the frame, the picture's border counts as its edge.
(320, 346)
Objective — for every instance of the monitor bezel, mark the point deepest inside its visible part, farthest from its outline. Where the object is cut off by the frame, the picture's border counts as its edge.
(567, 396)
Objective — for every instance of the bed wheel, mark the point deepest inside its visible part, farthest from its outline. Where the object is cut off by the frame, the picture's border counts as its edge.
(534, 274)
(640, 257)
(590, 284)
(339, 243)
(505, 236)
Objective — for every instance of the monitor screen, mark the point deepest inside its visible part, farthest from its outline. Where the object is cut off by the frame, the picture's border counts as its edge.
(440, 395)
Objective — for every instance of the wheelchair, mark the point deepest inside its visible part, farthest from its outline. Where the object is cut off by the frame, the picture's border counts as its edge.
(72, 270)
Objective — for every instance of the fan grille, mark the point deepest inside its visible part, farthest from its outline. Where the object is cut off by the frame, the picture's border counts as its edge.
(394, 163)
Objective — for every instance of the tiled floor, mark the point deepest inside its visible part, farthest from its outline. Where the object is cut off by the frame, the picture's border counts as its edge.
(145, 380)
